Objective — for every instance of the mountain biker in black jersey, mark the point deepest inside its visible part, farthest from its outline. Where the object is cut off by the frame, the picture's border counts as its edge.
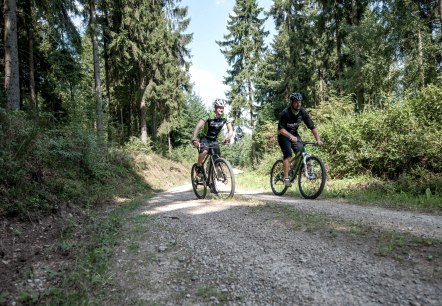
(213, 123)
(288, 137)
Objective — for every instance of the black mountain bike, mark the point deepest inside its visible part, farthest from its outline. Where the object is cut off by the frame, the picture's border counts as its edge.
(217, 175)
(310, 171)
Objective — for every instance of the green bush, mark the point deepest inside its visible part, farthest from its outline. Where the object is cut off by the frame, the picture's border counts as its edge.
(427, 105)
(45, 166)
(418, 180)
(185, 154)
(136, 145)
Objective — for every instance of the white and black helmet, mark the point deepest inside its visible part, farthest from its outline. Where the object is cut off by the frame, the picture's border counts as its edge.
(219, 103)
(295, 96)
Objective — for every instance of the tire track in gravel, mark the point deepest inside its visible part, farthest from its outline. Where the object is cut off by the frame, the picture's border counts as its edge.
(203, 252)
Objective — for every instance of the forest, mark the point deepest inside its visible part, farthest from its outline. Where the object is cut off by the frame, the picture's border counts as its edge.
(97, 109)
(75, 100)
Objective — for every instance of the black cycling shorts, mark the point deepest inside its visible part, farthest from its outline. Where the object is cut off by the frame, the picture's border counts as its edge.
(287, 147)
(206, 142)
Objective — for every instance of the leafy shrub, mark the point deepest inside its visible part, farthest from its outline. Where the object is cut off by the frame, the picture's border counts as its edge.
(266, 163)
(266, 137)
(427, 105)
(136, 145)
(45, 166)
(184, 154)
(417, 180)
(239, 154)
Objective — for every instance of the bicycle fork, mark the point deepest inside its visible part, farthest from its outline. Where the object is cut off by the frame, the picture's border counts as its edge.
(308, 167)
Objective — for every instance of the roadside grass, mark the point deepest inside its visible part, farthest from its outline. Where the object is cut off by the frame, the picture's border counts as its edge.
(403, 247)
(88, 239)
(211, 294)
(362, 190)
(89, 274)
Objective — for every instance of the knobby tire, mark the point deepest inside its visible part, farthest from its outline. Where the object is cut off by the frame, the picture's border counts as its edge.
(199, 184)
(311, 187)
(223, 178)
(277, 178)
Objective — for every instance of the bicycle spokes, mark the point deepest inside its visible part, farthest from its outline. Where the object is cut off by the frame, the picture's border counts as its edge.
(312, 178)
(198, 183)
(223, 179)
(277, 178)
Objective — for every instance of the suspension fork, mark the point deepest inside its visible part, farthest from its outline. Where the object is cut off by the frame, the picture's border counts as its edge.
(305, 155)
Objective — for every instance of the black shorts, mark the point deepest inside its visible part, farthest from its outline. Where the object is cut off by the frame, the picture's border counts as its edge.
(206, 142)
(287, 147)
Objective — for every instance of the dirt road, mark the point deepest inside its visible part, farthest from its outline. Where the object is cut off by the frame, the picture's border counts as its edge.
(250, 251)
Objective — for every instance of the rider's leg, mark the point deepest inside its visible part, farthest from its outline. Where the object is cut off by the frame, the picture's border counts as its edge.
(297, 148)
(201, 157)
(203, 151)
(286, 149)
(286, 164)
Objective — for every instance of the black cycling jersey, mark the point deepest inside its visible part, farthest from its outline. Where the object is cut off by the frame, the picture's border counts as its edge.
(291, 121)
(214, 125)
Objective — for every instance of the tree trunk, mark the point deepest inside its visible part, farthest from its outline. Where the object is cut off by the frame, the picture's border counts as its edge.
(143, 105)
(154, 121)
(97, 79)
(12, 77)
(33, 96)
(339, 65)
(440, 16)
(30, 18)
(421, 58)
(106, 53)
(252, 124)
(359, 87)
(169, 141)
(321, 87)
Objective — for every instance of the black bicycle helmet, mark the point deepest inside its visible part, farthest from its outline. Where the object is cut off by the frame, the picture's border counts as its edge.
(295, 96)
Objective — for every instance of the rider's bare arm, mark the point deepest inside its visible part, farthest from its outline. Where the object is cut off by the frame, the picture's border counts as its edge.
(285, 133)
(196, 130)
(317, 137)
(229, 132)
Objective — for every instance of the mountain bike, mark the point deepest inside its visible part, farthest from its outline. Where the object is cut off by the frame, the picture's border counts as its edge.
(309, 169)
(217, 175)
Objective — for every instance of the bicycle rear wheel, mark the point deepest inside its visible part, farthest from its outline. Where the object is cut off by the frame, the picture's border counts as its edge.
(277, 178)
(223, 178)
(198, 184)
(312, 182)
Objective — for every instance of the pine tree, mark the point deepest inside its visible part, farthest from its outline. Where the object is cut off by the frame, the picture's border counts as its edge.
(244, 47)
(97, 77)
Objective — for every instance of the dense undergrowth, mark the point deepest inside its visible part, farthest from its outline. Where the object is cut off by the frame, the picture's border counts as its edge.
(47, 167)
(77, 195)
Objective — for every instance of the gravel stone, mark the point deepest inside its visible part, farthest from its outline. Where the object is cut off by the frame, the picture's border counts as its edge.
(235, 253)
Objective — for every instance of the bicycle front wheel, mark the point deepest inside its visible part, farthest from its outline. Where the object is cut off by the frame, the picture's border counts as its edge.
(223, 178)
(277, 178)
(198, 184)
(311, 180)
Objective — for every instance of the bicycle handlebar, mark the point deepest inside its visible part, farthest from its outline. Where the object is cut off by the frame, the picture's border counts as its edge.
(311, 143)
(213, 147)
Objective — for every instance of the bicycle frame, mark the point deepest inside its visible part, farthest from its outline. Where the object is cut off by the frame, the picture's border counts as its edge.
(311, 182)
(294, 170)
(218, 175)
(210, 156)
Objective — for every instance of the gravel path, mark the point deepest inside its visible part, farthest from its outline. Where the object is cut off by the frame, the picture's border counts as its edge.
(183, 251)
(421, 225)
